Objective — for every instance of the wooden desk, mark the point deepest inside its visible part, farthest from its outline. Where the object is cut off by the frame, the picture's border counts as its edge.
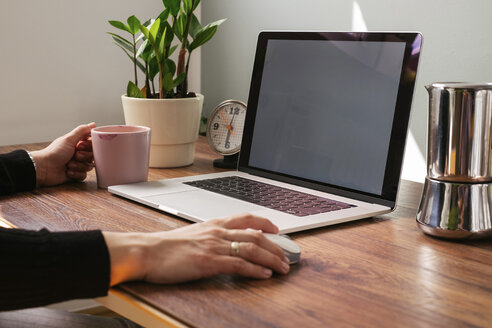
(375, 272)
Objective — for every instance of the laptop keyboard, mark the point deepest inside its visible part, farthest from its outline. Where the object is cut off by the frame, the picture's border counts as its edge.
(267, 195)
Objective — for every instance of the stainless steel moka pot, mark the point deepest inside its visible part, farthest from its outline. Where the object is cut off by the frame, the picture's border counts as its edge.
(457, 197)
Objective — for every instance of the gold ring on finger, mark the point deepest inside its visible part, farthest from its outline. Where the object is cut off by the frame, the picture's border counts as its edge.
(234, 248)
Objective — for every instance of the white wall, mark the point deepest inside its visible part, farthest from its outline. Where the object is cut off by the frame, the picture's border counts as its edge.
(457, 45)
(59, 68)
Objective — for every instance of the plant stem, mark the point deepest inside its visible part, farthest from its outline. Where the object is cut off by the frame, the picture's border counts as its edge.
(135, 59)
(166, 55)
(147, 84)
(181, 68)
(185, 82)
(182, 52)
(161, 85)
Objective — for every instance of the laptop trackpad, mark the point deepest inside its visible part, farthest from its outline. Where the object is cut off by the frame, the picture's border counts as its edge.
(202, 204)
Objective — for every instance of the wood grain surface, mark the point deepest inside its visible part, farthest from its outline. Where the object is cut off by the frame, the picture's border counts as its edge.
(378, 272)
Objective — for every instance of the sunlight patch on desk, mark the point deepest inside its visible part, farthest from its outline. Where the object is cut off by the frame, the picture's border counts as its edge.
(4, 223)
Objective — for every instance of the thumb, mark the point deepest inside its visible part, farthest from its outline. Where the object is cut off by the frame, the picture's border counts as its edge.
(79, 133)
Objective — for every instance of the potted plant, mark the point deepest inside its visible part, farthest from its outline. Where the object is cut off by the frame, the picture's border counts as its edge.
(167, 106)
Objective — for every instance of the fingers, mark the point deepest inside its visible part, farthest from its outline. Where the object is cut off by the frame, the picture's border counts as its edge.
(78, 170)
(257, 238)
(77, 166)
(76, 175)
(246, 221)
(80, 133)
(236, 265)
(255, 254)
(84, 145)
(254, 247)
(82, 160)
(84, 156)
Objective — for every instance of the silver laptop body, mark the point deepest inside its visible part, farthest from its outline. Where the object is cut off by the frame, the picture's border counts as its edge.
(327, 116)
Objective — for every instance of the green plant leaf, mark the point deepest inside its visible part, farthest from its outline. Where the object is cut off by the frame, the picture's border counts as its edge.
(133, 24)
(124, 50)
(177, 81)
(205, 34)
(148, 22)
(162, 44)
(153, 68)
(172, 49)
(146, 33)
(197, 2)
(141, 49)
(123, 45)
(179, 26)
(139, 37)
(187, 5)
(164, 15)
(203, 126)
(133, 91)
(139, 64)
(120, 38)
(195, 26)
(169, 34)
(154, 29)
(168, 82)
(171, 66)
(119, 25)
(147, 53)
(173, 6)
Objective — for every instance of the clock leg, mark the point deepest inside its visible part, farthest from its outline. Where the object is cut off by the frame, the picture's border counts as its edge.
(228, 162)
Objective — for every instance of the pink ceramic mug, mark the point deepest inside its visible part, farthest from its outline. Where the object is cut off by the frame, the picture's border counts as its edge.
(121, 154)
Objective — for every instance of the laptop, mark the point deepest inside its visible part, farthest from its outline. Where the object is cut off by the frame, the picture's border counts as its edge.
(323, 139)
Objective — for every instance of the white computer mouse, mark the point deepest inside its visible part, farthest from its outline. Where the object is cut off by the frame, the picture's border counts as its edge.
(290, 248)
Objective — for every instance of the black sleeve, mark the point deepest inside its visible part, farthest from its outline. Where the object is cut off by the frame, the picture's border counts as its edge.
(42, 267)
(17, 172)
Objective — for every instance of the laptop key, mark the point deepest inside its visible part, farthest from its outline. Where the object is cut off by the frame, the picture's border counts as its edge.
(270, 196)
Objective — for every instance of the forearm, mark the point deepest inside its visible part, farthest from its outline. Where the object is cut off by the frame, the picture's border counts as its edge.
(41, 168)
(127, 252)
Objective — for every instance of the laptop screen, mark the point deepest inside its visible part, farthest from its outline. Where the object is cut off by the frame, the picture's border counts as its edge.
(325, 111)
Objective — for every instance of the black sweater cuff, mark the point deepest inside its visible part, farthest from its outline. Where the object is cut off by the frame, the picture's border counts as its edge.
(17, 172)
(42, 267)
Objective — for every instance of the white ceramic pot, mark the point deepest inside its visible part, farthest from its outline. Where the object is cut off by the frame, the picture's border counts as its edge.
(174, 125)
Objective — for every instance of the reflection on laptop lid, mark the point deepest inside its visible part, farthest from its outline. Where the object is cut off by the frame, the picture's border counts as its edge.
(327, 115)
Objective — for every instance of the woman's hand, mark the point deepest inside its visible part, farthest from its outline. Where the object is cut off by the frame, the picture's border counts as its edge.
(197, 251)
(69, 157)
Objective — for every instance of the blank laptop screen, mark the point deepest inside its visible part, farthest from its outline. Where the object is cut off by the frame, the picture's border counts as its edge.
(325, 110)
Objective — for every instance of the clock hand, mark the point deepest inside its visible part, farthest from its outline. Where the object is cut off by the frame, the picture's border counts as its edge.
(232, 120)
(230, 130)
(228, 137)
(228, 126)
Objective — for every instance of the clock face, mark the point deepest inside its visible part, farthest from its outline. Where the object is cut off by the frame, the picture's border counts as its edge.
(225, 127)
